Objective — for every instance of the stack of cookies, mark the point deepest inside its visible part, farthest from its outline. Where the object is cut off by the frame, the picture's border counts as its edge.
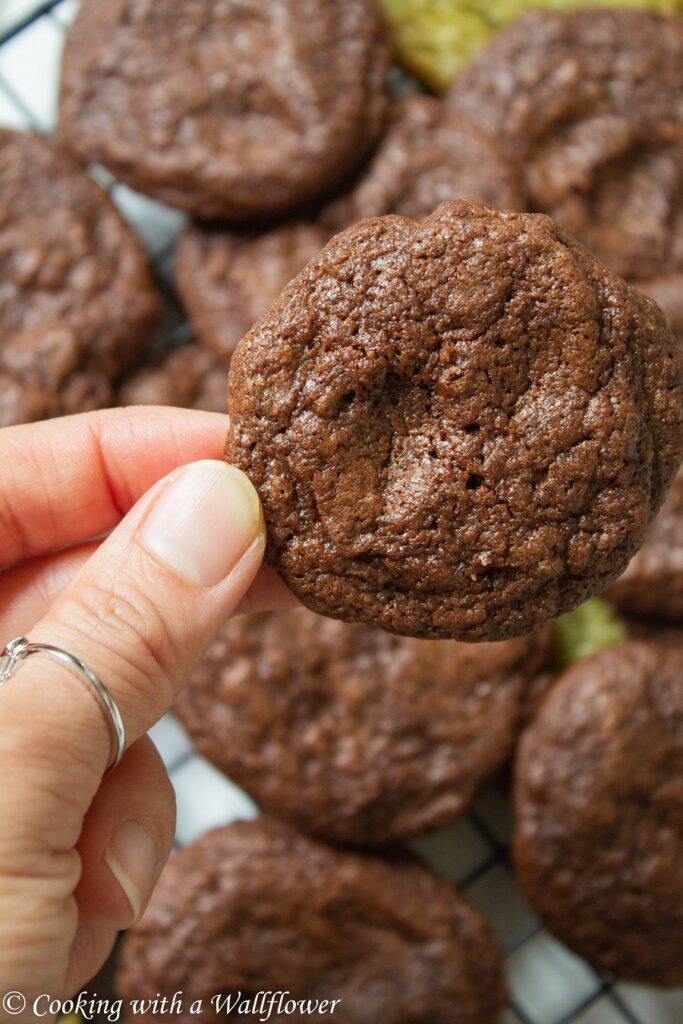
(453, 386)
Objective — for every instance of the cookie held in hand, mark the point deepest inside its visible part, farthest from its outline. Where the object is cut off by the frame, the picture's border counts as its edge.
(458, 427)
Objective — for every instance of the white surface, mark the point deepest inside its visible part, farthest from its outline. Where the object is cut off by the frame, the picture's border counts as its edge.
(170, 740)
(159, 225)
(653, 1006)
(10, 114)
(65, 12)
(14, 11)
(601, 1012)
(547, 982)
(29, 63)
(206, 800)
(547, 979)
(495, 893)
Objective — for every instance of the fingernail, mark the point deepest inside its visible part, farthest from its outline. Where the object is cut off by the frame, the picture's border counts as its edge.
(132, 856)
(203, 522)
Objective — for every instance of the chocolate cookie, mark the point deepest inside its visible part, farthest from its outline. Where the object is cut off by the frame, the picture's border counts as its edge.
(234, 110)
(257, 908)
(228, 280)
(351, 733)
(189, 377)
(459, 427)
(77, 304)
(591, 103)
(599, 795)
(652, 586)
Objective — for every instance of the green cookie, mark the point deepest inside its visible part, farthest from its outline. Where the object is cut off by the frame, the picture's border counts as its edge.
(588, 629)
(434, 38)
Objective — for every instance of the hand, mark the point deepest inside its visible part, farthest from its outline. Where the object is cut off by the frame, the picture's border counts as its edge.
(79, 854)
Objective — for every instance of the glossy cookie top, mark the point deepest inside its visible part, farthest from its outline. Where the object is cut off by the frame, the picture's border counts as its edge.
(459, 427)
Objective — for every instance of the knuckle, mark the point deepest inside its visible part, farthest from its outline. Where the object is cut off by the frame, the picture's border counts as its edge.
(22, 469)
(128, 629)
(26, 856)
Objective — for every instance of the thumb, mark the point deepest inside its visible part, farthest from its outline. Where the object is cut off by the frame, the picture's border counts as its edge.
(140, 614)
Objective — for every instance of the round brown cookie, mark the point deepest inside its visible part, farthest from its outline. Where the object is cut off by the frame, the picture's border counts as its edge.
(255, 907)
(652, 586)
(590, 102)
(599, 799)
(353, 734)
(189, 377)
(228, 280)
(77, 304)
(225, 109)
(459, 427)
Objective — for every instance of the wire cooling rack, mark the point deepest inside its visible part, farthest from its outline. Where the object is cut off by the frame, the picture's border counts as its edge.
(548, 984)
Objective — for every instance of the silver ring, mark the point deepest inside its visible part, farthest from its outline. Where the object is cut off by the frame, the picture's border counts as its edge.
(19, 649)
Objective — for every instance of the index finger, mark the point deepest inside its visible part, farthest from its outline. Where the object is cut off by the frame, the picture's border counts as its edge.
(68, 480)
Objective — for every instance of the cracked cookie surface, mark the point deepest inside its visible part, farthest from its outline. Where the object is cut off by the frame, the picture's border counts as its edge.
(599, 802)
(353, 734)
(256, 906)
(226, 110)
(77, 303)
(459, 427)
